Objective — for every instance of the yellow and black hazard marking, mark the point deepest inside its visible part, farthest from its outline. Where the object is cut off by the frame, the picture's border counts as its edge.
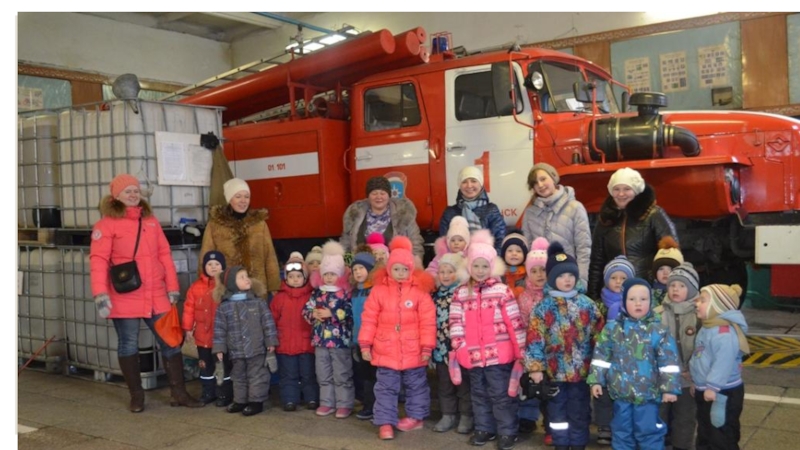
(771, 351)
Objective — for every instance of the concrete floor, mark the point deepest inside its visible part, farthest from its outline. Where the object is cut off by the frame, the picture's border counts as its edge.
(73, 412)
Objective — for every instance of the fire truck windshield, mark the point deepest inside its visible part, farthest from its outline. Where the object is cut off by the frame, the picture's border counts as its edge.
(557, 95)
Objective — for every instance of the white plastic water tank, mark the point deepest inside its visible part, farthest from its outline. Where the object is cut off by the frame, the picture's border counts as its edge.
(40, 307)
(104, 142)
(38, 194)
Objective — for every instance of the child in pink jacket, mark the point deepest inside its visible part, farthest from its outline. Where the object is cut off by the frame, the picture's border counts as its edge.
(456, 241)
(398, 334)
(487, 334)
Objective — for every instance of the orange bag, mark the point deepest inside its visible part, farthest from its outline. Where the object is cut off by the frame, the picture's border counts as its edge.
(169, 328)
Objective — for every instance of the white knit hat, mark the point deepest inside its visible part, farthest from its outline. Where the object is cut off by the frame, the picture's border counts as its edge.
(470, 172)
(628, 177)
(234, 185)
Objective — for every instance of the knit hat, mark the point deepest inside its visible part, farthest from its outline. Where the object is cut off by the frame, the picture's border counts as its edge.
(213, 255)
(458, 227)
(686, 274)
(400, 253)
(627, 285)
(723, 298)
(229, 278)
(537, 257)
(376, 241)
(365, 259)
(558, 263)
(619, 264)
(470, 172)
(120, 182)
(315, 254)
(669, 254)
(550, 170)
(381, 183)
(455, 260)
(332, 258)
(514, 239)
(482, 246)
(295, 263)
(628, 177)
(234, 185)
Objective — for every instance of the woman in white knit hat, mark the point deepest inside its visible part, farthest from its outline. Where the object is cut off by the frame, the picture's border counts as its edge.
(242, 235)
(472, 203)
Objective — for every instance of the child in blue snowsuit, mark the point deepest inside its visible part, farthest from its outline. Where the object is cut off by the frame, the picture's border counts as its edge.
(636, 359)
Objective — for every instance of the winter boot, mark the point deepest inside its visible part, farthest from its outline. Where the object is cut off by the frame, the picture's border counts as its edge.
(179, 397)
(133, 378)
(465, 425)
(225, 393)
(209, 391)
(253, 408)
(447, 423)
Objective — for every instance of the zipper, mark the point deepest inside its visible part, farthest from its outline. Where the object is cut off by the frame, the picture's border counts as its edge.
(622, 236)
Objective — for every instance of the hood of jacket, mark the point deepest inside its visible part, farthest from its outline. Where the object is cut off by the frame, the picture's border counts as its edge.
(735, 316)
(223, 214)
(295, 292)
(423, 280)
(110, 207)
(638, 208)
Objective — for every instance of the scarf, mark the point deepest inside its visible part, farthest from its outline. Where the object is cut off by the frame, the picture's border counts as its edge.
(239, 296)
(468, 209)
(718, 322)
(328, 288)
(678, 309)
(377, 223)
(613, 301)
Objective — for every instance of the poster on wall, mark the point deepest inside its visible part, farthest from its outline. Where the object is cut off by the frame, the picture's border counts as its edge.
(637, 74)
(674, 74)
(181, 160)
(713, 65)
(29, 99)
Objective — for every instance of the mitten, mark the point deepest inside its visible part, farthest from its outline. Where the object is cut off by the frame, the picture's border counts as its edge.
(219, 372)
(174, 297)
(272, 362)
(455, 369)
(718, 410)
(103, 304)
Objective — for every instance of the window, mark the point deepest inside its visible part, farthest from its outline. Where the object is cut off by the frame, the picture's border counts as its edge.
(558, 94)
(391, 107)
(475, 99)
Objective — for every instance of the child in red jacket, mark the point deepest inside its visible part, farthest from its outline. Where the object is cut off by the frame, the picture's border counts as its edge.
(398, 334)
(198, 322)
(295, 352)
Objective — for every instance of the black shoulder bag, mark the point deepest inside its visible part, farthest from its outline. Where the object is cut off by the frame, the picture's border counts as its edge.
(125, 277)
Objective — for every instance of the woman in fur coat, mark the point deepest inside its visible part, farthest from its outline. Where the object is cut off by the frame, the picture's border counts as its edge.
(242, 235)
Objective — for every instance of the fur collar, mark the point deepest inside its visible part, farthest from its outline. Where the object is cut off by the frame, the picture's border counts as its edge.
(110, 207)
(419, 278)
(638, 208)
(220, 291)
(224, 216)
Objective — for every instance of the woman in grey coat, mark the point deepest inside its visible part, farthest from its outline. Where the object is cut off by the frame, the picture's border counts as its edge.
(380, 213)
(556, 215)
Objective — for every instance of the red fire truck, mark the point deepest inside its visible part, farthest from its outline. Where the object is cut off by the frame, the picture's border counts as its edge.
(388, 108)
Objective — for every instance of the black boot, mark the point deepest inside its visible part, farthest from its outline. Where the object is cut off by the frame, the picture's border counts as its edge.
(253, 408)
(225, 393)
(133, 378)
(209, 391)
(236, 407)
(179, 397)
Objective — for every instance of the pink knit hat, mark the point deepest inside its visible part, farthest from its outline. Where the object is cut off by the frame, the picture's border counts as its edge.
(332, 258)
(120, 182)
(482, 246)
(458, 227)
(537, 257)
(401, 253)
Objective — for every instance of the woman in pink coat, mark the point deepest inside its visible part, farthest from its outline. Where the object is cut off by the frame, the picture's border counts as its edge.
(114, 240)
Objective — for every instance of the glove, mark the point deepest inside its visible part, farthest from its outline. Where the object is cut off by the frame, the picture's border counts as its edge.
(718, 410)
(272, 362)
(103, 304)
(219, 372)
(543, 391)
(174, 297)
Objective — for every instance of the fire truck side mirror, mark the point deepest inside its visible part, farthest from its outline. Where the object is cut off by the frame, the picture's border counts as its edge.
(501, 89)
(583, 92)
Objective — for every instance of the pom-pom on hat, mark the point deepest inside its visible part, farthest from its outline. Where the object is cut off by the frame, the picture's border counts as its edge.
(537, 257)
(379, 183)
(315, 254)
(213, 255)
(470, 172)
(558, 263)
(458, 227)
(376, 241)
(400, 253)
(332, 259)
(120, 182)
(669, 254)
(686, 274)
(723, 298)
(618, 264)
(295, 263)
(514, 238)
(232, 186)
(627, 285)
(628, 177)
(482, 246)
(229, 278)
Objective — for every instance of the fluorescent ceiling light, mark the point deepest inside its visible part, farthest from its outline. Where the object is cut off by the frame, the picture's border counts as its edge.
(312, 46)
(332, 39)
